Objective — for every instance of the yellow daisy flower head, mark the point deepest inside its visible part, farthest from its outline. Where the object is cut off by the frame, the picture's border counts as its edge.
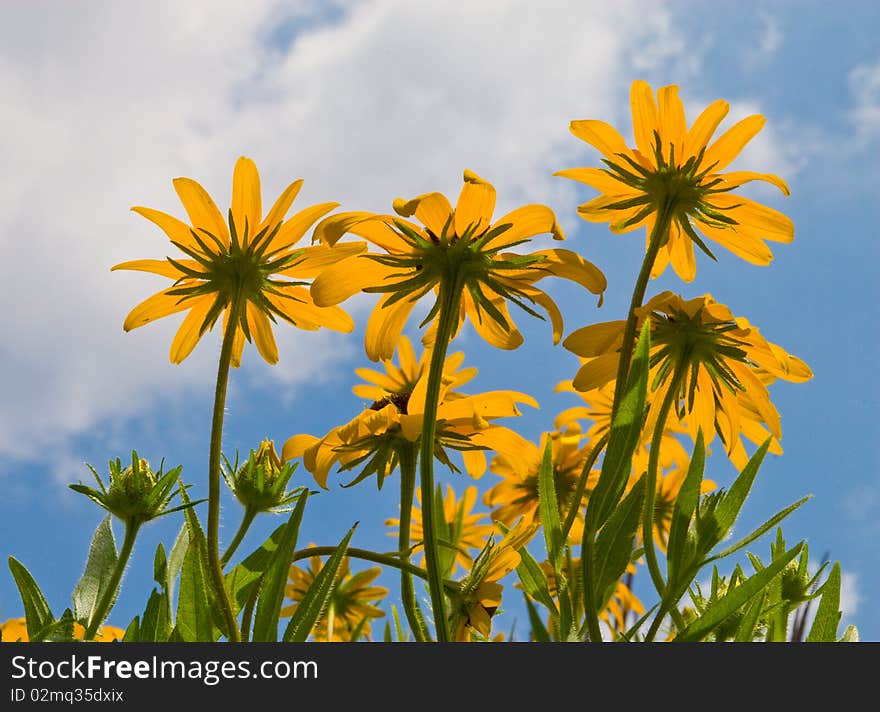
(674, 169)
(14, 630)
(394, 419)
(461, 530)
(351, 606)
(461, 250)
(479, 594)
(517, 494)
(247, 267)
(724, 366)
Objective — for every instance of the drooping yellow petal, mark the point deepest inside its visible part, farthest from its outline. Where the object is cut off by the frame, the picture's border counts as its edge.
(201, 208)
(702, 129)
(311, 261)
(385, 327)
(292, 230)
(343, 279)
(301, 310)
(570, 265)
(432, 210)
(474, 463)
(281, 206)
(162, 267)
(644, 116)
(751, 249)
(596, 372)
(598, 179)
(261, 332)
(177, 230)
(755, 219)
(475, 205)
(596, 339)
(247, 207)
(188, 334)
(681, 253)
(155, 307)
(728, 146)
(488, 328)
(295, 446)
(601, 136)
(735, 179)
(238, 340)
(526, 222)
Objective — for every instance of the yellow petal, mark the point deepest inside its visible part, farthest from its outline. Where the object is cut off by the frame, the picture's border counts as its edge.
(296, 446)
(755, 219)
(261, 331)
(311, 261)
(728, 146)
(203, 212)
(598, 179)
(751, 249)
(526, 222)
(282, 205)
(292, 231)
(177, 231)
(432, 209)
(596, 372)
(737, 178)
(603, 137)
(542, 298)
(162, 267)
(301, 310)
(247, 208)
(343, 279)
(681, 253)
(474, 463)
(673, 126)
(385, 327)
(570, 265)
(488, 328)
(475, 205)
(596, 339)
(237, 341)
(703, 128)
(644, 116)
(188, 334)
(155, 307)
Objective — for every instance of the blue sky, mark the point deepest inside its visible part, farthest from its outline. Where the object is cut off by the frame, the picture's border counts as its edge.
(367, 101)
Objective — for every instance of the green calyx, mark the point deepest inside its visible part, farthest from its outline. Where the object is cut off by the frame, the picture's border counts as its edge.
(260, 483)
(135, 494)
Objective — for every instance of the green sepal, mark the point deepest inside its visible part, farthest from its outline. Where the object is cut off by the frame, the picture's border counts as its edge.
(717, 611)
(274, 580)
(314, 603)
(99, 568)
(824, 628)
(37, 613)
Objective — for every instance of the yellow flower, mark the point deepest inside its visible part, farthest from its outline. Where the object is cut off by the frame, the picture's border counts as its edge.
(674, 167)
(250, 259)
(14, 630)
(517, 494)
(725, 365)
(394, 419)
(351, 604)
(461, 249)
(460, 530)
(479, 594)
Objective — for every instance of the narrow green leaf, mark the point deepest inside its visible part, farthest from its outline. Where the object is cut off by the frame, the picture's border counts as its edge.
(745, 633)
(539, 630)
(36, 611)
(683, 509)
(548, 507)
(735, 599)
(314, 603)
(132, 633)
(99, 568)
(850, 635)
(245, 576)
(760, 531)
(155, 626)
(195, 618)
(824, 628)
(160, 565)
(265, 628)
(615, 542)
(533, 580)
(625, 432)
(60, 631)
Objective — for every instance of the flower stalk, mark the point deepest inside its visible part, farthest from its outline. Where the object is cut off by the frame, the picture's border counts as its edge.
(408, 459)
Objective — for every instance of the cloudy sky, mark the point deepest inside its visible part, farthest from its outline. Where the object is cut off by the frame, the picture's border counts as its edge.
(104, 102)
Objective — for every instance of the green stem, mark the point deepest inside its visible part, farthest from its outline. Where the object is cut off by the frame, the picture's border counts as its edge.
(447, 319)
(408, 455)
(581, 487)
(651, 494)
(658, 236)
(249, 515)
(215, 567)
(106, 603)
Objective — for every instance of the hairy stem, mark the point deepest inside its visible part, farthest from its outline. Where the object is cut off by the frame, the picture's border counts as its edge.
(249, 515)
(408, 455)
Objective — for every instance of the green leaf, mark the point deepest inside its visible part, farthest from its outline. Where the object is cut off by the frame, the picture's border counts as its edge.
(274, 582)
(625, 431)
(246, 575)
(824, 628)
(132, 633)
(539, 630)
(533, 580)
(683, 509)
(850, 635)
(745, 633)
(96, 576)
(615, 542)
(760, 531)
(548, 507)
(60, 631)
(160, 565)
(36, 611)
(314, 603)
(717, 611)
(195, 617)
(155, 626)
(175, 560)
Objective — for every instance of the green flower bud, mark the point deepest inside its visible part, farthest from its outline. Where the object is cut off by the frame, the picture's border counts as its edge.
(259, 484)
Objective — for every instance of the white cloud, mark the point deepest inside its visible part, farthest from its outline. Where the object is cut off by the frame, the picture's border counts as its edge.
(864, 84)
(105, 103)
